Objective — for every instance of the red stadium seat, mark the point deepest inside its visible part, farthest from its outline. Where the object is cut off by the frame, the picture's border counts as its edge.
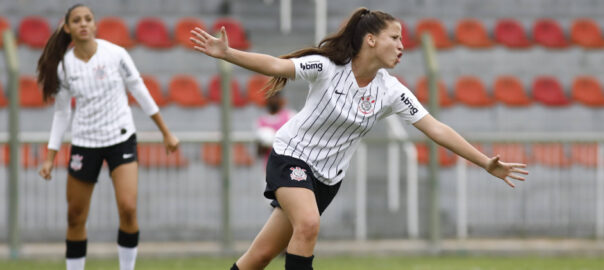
(215, 92)
(472, 33)
(212, 154)
(34, 31)
(446, 158)
(548, 33)
(587, 90)
(585, 154)
(182, 30)
(154, 155)
(28, 157)
(185, 91)
(409, 41)
(4, 25)
(3, 100)
(255, 89)
(510, 152)
(115, 30)
(235, 31)
(587, 33)
(470, 91)
(4, 155)
(152, 32)
(550, 154)
(511, 34)
(437, 30)
(510, 91)
(548, 91)
(155, 90)
(29, 93)
(422, 93)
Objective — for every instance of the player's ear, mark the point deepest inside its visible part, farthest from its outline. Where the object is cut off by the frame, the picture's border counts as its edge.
(370, 39)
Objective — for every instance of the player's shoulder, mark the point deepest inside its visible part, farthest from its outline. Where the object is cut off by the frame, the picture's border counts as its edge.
(111, 47)
(391, 83)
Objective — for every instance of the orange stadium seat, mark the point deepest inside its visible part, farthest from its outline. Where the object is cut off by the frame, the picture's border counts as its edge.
(511, 34)
(235, 31)
(3, 100)
(152, 32)
(4, 154)
(29, 93)
(548, 33)
(585, 154)
(215, 92)
(550, 154)
(446, 158)
(547, 90)
(587, 33)
(154, 155)
(587, 90)
(4, 25)
(155, 90)
(472, 33)
(469, 90)
(28, 158)
(510, 91)
(182, 30)
(185, 91)
(437, 30)
(115, 30)
(212, 154)
(409, 41)
(34, 31)
(255, 89)
(422, 93)
(510, 152)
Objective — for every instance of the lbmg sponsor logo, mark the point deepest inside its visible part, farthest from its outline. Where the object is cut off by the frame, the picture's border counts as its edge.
(406, 101)
(312, 65)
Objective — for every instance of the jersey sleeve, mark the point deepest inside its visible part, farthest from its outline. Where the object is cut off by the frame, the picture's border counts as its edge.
(61, 117)
(312, 67)
(135, 84)
(405, 104)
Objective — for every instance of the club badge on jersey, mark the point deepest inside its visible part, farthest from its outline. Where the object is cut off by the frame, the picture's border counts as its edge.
(100, 73)
(76, 162)
(298, 174)
(367, 104)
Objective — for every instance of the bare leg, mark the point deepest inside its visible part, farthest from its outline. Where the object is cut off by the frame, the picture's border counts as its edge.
(125, 184)
(78, 205)
(300, 206)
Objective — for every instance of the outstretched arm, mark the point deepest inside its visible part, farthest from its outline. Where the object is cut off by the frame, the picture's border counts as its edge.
(261, 63)
(449, 138)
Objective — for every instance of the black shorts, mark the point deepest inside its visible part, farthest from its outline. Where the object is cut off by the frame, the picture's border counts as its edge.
(85, 163)
(286, 171)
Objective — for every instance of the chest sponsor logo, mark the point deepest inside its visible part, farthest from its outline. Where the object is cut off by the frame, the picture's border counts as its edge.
(76, 162)
(412, 109)
(298, 174)
(367, 105)
(312, 65)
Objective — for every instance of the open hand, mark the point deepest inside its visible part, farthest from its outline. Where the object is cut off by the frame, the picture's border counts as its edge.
(506, 171)
(208, 44)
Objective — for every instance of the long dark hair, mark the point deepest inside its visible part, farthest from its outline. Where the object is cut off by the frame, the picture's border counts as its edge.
(53, 53)
(342, 46)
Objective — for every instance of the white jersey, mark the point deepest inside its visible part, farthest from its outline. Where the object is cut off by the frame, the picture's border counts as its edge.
(338, 113)
(102, 116)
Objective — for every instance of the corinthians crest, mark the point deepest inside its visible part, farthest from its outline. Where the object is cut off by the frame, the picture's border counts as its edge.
(99, 72)
(298, 174)
(367, 104)
(76, 162)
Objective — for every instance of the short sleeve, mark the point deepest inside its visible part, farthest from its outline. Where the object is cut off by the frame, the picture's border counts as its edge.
(312, 67)
(405, 104)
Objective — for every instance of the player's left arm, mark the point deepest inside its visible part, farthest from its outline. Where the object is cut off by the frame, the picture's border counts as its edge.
(449, 138)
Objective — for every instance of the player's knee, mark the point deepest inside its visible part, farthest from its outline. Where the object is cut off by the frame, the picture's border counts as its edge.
(128, 211)
(308, 227)
(76, 216)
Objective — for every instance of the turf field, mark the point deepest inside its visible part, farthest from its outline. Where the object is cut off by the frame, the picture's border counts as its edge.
(348, 263)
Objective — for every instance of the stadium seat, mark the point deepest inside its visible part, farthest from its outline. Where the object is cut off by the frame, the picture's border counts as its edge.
(550, 154)
(446, 158)
(235, 31)
(255, 87)
(182, 30)
(34, 31)
(585, 154)
(212, 154)
(115, 30)
(3, 100)
(62, 157)
(215, 92)
(4, 25)
(185, 91)
(154, 155)
(155, 90)
(510, 152)
(4, 155)
(587, 33)
(472, 33)
(437, 30)
(511, 34)
(471, 92)
(409, 41)
(587, 91)
(548, 91)
(153, 33)
(28, 158)
(422, 93)
(29, 93)
(510, 91)
(548, 33)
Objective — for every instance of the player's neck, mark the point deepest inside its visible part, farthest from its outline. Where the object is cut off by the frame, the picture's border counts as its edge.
(364, 70)
(84, 50)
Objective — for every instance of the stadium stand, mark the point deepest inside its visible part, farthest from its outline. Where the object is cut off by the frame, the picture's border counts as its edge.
(255, 87)
(3, 100)
(470, 91)
(585, 154)
(212, 154)
(510, 151)
(4, 24)
(34, 31)
(511, 34)
(548, 33)
(437, 30)
(587, 33)
(115, 30)
(550, 154)
(182, 30)
(409, 41)
(422, 93)
(154, 155)
(473, 34)
(62, 157)
(29, 93)
(446, 158)
(153, 33)
(587, 91)
(510, 91)
(185, 91)
(235, 31)
(548, 91)
(215, 92)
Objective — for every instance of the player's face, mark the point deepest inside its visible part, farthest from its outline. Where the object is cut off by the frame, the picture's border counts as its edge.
(388, 45)
(81, 25)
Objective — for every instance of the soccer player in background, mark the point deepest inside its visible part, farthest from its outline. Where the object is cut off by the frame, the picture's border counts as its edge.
(95, 72)
(268, 124)
(349, 91)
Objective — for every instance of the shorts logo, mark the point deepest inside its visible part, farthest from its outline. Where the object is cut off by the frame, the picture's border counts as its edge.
(76, 162)
(367, 105)
(298, 174)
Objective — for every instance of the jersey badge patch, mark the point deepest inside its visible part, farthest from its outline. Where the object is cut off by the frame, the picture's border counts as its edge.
(100, 73)
(298, 174)
(367, 105)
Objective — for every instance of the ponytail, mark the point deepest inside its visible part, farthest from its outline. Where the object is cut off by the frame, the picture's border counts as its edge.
(342, 46)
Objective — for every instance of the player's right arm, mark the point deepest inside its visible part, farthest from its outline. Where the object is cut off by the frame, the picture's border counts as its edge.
(261, 63)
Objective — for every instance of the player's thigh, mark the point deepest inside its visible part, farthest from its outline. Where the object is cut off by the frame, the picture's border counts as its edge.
(78, 194)
(125, 185)
(274, 236)
(299, 204)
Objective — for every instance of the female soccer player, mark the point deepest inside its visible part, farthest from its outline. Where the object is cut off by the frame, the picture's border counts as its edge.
(95, 72)
(349, 90)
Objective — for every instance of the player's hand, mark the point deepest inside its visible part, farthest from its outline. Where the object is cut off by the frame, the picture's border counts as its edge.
(46, 169)
(208, 44)
(506, 171)
(171, 143)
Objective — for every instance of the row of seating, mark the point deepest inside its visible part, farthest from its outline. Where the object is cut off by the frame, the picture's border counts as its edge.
(185, 91)
(152, 32)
